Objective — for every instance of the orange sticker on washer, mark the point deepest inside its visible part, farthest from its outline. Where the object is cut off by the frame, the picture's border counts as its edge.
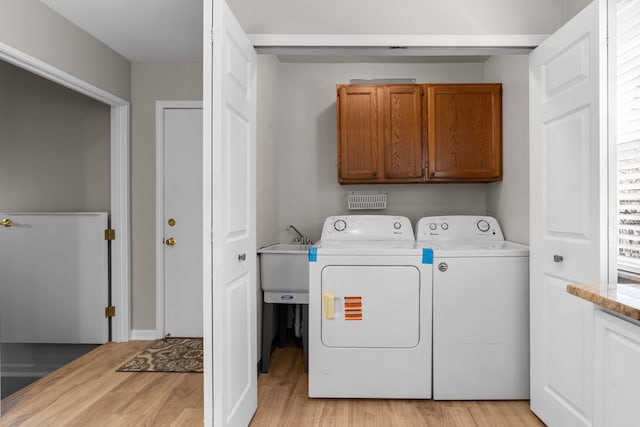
(353, 308)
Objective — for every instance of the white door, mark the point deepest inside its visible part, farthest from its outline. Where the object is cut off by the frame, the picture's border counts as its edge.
(179, 290)
(568, 187)
(229, 192)
(54, 278)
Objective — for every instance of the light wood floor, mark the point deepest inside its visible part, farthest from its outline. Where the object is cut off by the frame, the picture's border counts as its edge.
(88, 392)
(283, 401)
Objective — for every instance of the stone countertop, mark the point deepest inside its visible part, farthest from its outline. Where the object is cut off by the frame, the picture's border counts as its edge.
(617, 297)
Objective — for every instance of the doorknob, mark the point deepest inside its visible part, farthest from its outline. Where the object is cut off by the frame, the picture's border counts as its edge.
(6, 222)
(171, 241)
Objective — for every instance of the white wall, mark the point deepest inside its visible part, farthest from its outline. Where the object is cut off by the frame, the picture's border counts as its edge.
(54, 146)
(508, 200)
(404, 16)
(308, 191)
(150, 82)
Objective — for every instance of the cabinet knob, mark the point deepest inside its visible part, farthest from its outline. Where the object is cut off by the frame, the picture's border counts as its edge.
(557, 258)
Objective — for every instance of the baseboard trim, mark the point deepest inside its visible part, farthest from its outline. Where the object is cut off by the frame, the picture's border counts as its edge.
(27, 370)
(143, 334)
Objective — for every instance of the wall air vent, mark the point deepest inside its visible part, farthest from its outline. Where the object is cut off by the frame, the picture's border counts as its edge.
(359, 200)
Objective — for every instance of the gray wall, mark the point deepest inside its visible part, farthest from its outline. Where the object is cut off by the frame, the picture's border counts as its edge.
(307, 188)
(150, 82)
(267, 159)
(267, 164)
(54, 144)
(301, 148)
(33, 28)
(404, 16)
(508, 200)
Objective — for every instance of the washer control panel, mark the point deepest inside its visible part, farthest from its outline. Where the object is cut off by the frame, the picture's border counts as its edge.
(367, 227)
(458, 227)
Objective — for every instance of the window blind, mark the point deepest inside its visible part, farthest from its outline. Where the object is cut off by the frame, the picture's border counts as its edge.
(628, 134)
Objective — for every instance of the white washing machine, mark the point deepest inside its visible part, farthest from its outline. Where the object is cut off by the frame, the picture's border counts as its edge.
(480, 309)
(369, 310)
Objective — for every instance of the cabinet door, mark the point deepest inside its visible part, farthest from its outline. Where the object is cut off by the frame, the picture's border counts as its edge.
(359, 149)
(617, 372)
(465, 132)
(402, 133)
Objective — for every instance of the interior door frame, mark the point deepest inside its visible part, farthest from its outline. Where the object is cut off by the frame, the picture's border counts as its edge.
(119, 178)
(160, 283)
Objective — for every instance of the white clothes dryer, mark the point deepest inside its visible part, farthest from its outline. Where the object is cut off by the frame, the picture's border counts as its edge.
(480, 309)
(369, 310)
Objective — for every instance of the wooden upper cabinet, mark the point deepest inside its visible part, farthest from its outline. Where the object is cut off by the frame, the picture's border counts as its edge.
(358, 132)
(419, 133)
(380, 137)
(465, 132)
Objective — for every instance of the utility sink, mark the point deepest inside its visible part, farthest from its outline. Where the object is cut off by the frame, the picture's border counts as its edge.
(284, 273)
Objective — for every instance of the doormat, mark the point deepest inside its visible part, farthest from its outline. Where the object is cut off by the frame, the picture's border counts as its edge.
(168, 355)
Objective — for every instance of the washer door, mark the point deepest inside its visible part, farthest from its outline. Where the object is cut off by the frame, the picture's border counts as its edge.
(370, 306)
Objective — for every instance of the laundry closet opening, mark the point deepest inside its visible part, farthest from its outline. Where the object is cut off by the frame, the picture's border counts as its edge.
(297, 149)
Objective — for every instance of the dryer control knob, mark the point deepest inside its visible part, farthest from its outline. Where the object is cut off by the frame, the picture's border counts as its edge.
(483, 225)
(340, 225)
(433, 226)
(397, 225)
(444, 226)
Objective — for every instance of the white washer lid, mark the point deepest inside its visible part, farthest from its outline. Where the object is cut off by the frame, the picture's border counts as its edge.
(474, 248)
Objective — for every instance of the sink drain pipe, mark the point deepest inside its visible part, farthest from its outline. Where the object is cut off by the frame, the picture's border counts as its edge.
(297, 323)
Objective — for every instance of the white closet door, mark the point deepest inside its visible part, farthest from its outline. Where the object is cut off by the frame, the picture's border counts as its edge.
(568, 186)
(229, 190)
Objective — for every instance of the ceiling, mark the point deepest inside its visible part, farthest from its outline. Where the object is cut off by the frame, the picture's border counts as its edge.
(140, 30)
(171, 31)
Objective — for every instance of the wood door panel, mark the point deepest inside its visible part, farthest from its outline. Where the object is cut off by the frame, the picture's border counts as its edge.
(402, 132)
(358, 130)
(465, 131)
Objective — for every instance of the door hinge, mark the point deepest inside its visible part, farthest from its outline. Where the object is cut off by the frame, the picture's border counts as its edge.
(110, 311)
(211, 35)
(109, 234)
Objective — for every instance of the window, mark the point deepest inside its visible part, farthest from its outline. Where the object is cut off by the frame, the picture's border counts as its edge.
(628, 134)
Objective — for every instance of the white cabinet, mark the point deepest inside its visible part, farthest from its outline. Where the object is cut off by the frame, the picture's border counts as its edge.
(617, 371)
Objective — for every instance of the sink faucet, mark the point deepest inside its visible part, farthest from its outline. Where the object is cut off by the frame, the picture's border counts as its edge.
(300, 238)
